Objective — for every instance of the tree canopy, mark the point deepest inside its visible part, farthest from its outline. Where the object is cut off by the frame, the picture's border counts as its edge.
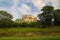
(46, 15)
(5, 19)
(56, 16)
(5, 14)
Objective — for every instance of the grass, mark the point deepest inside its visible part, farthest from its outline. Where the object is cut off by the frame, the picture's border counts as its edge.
(31, 38)
(26, 29)
(20, 29)
(29, 33)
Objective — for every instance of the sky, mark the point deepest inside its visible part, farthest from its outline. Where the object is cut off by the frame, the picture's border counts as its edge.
(32, 7)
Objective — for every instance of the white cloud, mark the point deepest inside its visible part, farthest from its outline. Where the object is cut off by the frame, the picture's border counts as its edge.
(13, 9)
(39, 3)
(3, 9)
(55, 3)
(35, 14)
(24, 9)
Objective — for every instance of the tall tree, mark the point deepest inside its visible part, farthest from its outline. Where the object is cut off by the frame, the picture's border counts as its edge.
(46, 15)
(5, 19)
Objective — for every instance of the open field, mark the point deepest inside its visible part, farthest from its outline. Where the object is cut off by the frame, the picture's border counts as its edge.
(29, 32)
(31, 38)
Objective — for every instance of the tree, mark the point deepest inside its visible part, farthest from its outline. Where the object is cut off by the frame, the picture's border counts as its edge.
(56, 16)
(47, 8)
(18, 20)
(5, 14)
(46, 16)
(6, 23)
(5, 19)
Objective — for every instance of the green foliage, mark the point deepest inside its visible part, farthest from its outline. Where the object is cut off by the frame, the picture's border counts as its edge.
(6, 23)
(29, 24)
(47, 8)
(18, 21)
(6, 19)
(46, 16)
(5, 14)
(21, 23)
(56, 16)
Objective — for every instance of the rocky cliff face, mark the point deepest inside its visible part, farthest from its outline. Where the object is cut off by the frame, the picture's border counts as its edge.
(28, 18)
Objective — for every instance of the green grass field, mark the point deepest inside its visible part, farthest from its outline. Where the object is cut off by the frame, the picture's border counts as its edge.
(32, 38)
(18, 32)
(29, 34)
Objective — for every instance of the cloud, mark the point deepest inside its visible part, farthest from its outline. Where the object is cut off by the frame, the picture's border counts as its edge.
(1, 8)
(39, 3)
(35, 14)
(24, 9)
(13, 9)
(55, 3)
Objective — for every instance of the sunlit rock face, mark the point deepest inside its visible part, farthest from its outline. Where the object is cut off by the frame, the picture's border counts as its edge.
(28, 18)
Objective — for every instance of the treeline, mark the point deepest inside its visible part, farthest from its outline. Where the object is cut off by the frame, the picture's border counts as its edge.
(49, 17)
(29, 24)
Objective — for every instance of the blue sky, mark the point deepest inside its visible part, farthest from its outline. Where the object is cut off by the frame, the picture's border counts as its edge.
(19, 7)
